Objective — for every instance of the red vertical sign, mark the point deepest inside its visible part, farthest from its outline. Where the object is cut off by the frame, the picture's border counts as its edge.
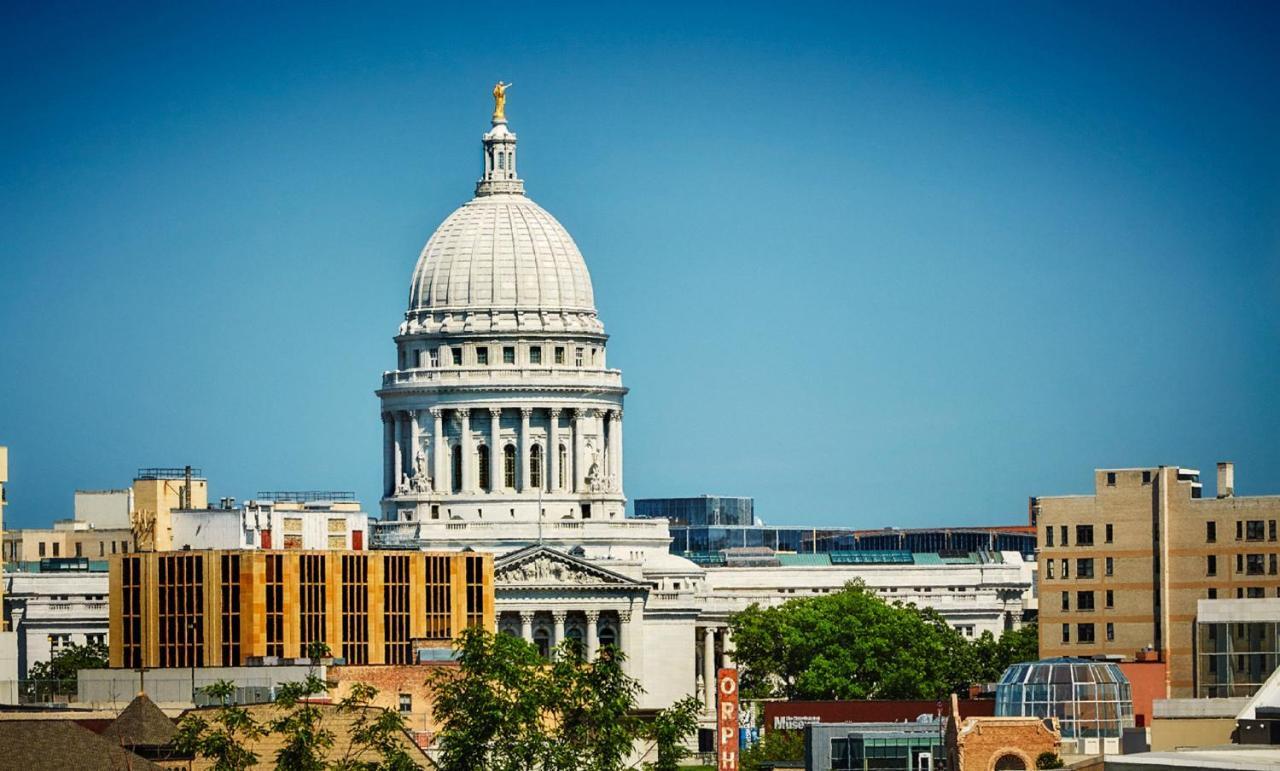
(727, 719)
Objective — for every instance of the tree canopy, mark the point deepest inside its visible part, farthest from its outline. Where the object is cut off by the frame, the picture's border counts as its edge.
(508, 709)
(852, 644)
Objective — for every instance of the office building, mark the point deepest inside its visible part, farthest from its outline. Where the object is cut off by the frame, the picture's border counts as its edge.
(699, 511)
(300, 519)
(1121, 570)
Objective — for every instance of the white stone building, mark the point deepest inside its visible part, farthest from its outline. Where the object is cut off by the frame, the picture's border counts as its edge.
(50, 611)
(292, 520)
(503, 432)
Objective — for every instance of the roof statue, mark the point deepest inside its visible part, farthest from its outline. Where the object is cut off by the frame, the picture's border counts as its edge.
(500, 102)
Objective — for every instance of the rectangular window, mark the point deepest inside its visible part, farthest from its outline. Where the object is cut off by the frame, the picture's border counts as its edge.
(1211, 565)
(1110, 566)
(1048, 535)
(1239, 530)
(1066, 633)
(355, 609)
(456, 354)
(1111, 599)
(1255, 592)
(1066, 601)
(1210, 532)
(229, 587)
(1146, 477)
(79, 548)
(422, 359)
(1064, 535)
(1254, 530)
(56, 548)
(1271, 530)
(312, 604)
(1048, 568)
(1239, 563)
(1084, 535)
(508, 354)
(438, 600)
(1111, 479)
(577, 357)
(40, 548)
(1084, 600)
(1110, 533)
(275, 605)
(406, 702)
(482, 356)
(535, 355)
(1111, 632)
(559, 354)
(102, 548)
(1239, 592)
(1213, 594)
(1084, 633)
(1255, 565)
(1271, 564)
(396, 612)
(1066, 568)
(1084, 568)
(435, 357)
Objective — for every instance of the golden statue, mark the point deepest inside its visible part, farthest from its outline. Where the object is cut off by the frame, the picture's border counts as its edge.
(500, 101)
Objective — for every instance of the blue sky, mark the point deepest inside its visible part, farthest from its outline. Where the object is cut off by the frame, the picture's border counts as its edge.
(892, 264)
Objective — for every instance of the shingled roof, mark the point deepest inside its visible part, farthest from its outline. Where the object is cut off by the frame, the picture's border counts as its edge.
(56, 745)
(142, 724)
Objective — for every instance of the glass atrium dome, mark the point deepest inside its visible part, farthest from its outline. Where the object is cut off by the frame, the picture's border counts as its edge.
(1091, 699)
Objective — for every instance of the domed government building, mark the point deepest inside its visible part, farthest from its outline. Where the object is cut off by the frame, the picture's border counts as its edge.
(503, 432)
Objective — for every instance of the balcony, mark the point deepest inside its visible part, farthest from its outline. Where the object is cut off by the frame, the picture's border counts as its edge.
(500, 375)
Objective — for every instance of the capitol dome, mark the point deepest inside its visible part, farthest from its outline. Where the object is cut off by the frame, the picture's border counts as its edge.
(501, 253)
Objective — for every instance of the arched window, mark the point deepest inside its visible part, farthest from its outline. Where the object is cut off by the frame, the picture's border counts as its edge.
(502, 160)
(535, 466)
(608, 636)
(542, 639)
(457, 468)
(574, 635)
(1010, 762)
(482, 464)
(564, 463)
(509, 466)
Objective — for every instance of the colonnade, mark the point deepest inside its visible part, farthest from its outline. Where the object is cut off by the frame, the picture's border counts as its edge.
(707, 637)
(618, 623)
(412, 463)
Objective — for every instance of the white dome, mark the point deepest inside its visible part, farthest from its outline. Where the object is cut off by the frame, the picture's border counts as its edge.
(501, 253)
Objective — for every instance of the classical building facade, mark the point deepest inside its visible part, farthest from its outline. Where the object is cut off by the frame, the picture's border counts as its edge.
(503, 434)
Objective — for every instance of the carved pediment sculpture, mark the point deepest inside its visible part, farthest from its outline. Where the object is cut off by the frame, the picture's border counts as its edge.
(545, 570)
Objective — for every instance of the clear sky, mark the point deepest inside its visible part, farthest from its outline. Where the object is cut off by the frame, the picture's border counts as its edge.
(885, 264)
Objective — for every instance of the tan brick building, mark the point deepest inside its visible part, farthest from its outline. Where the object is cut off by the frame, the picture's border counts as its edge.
(1120, 571)
(223, 608)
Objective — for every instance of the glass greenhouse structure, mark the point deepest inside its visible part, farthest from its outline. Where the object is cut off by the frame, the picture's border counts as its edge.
(1091, 699)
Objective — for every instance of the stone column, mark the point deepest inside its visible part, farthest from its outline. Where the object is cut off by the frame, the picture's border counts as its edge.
(593, 634)
(438, 451)
(579, 418)
(497, 472)
(526, 625)
(397, 466)
(624, 639)
(415, 442)
(709, 666)
(388, 453)
(468, 451)
(553, 452)
(557, 618)
(522, 480)
(615, 437)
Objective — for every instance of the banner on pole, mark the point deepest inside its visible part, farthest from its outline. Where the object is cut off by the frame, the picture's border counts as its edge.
(727, 719)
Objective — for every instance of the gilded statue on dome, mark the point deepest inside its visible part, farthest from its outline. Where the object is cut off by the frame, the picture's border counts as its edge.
(500, 101)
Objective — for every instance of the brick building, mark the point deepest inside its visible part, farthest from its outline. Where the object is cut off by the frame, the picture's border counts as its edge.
(1120, 571)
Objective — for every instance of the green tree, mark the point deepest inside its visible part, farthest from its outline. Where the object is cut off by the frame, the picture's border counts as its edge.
(374, 743)
(300, 725)
(58, 675)
(993, 656)
(508, 709)
(1049, 760)
(223, 739)
(774, 745)
(849, 644)
(670, 730)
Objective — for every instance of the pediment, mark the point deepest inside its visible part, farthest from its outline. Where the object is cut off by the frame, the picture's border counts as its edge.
(544, 566)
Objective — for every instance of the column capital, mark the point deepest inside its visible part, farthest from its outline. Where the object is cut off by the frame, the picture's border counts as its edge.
(495, 412)
(555, 412)
(616, 414)
(624, 616)
(526, 412)
(437, 412)
(526, 616)
(413, 414)
(559, 616)
(462, 412)
(593, 616)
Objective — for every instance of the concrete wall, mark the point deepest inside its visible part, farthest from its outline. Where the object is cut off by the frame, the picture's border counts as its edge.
(104, 509)
(664, 661)
(1178, 733)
